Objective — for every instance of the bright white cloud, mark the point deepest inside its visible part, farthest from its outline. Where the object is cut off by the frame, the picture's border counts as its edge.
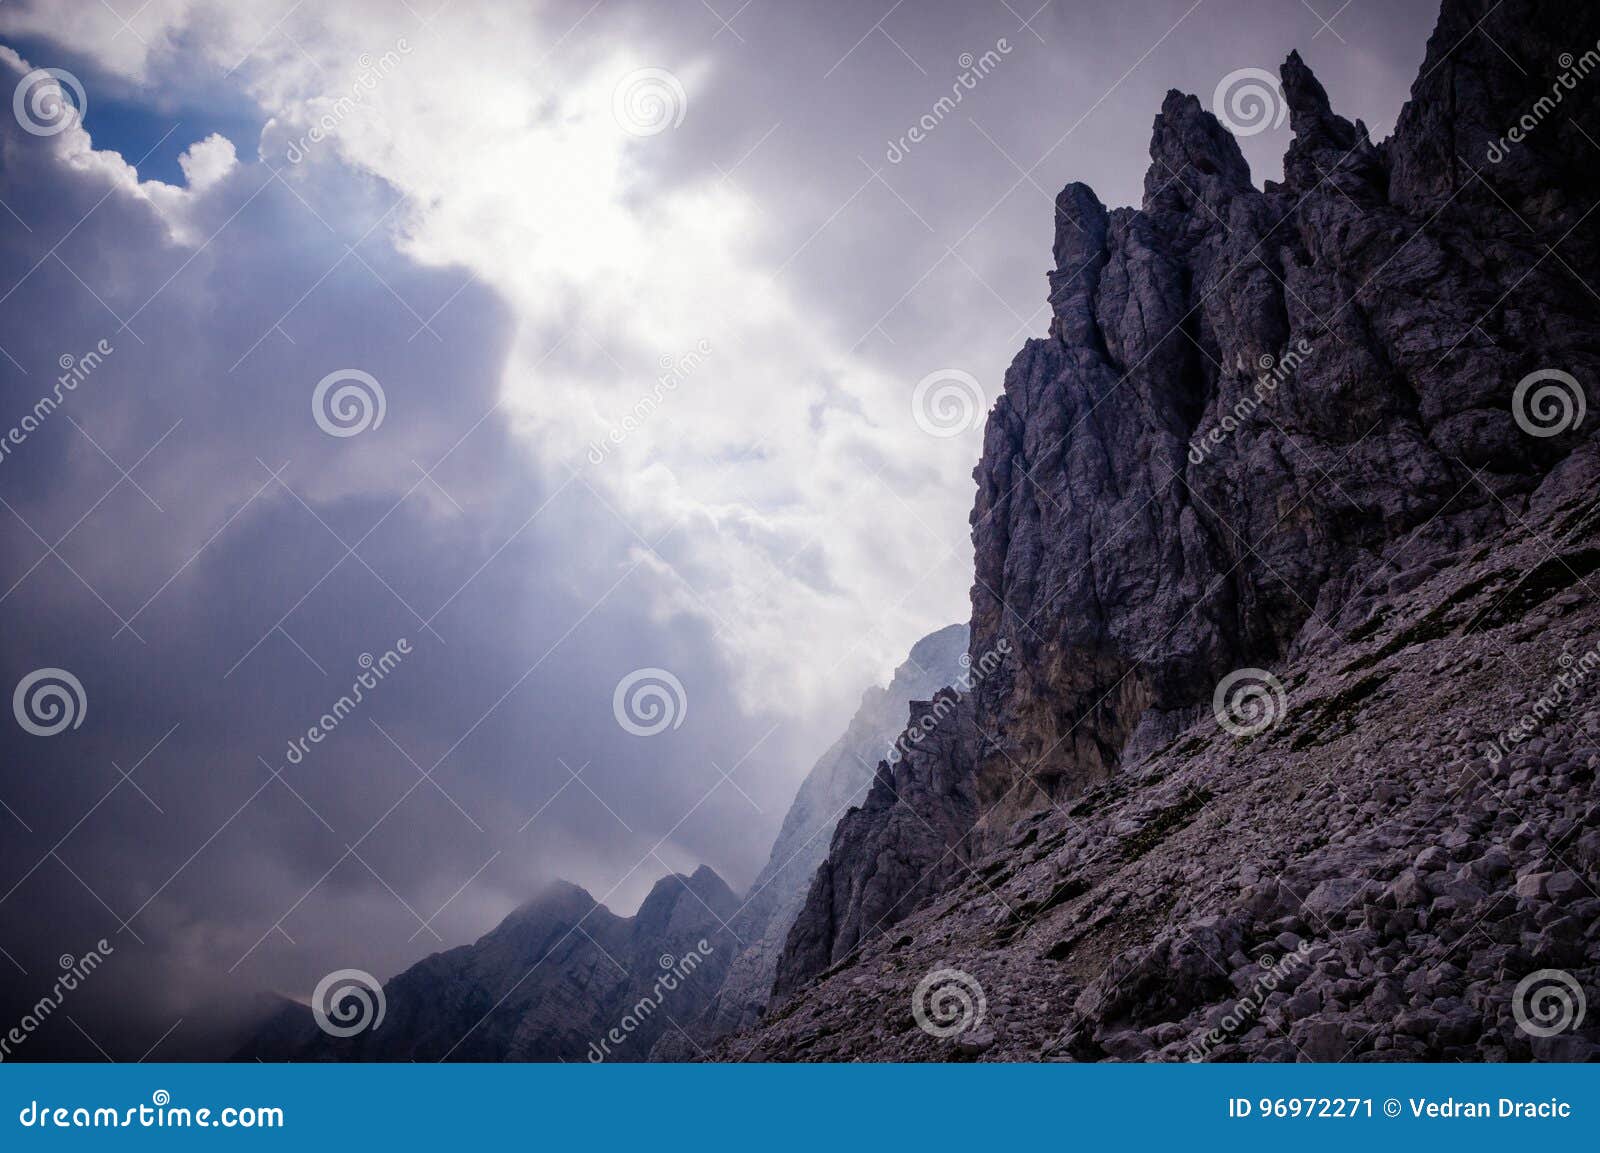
(205, 163)
(791, 499)
(208, 161)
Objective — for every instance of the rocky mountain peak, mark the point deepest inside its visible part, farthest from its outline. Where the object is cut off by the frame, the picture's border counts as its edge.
(1193, 159)
(1311, 117)
(1080, 254)
(1327, 148)
(1260, 416)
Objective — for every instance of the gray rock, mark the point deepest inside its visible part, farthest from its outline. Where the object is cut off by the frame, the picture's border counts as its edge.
(1319, 1040)
(976, 1042)
(1532, 885)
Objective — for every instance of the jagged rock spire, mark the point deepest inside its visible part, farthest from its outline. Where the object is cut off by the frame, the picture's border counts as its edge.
(1191, 156)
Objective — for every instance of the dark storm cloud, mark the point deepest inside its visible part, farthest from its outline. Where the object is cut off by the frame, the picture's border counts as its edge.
(186, 622)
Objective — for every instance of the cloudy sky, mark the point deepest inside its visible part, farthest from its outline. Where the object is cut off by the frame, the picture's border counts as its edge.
(548, 347)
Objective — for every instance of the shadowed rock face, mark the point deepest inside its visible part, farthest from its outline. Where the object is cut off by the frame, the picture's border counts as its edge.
(1260, 416)
(838, 782)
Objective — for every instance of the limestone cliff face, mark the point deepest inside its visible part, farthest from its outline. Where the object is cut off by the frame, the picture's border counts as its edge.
(1258, 417)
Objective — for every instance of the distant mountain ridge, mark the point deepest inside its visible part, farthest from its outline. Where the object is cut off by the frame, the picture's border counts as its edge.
(550, 982)
(564, 978)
